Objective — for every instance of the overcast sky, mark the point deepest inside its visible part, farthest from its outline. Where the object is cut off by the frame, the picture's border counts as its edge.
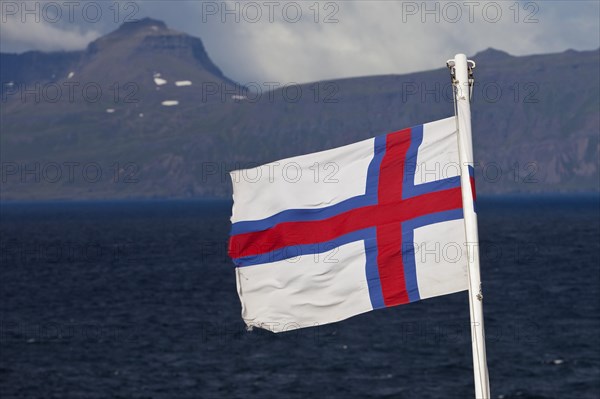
(306, 41)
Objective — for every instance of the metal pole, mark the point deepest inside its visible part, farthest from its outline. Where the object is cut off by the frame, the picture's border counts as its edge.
(465, 150)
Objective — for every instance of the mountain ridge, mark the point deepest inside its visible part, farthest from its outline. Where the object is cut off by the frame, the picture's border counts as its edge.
(190, 124)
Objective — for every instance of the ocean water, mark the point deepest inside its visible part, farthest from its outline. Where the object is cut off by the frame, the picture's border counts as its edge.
(138, 300)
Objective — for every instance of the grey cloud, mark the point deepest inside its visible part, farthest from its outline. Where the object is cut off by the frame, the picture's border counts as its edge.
(18, 36)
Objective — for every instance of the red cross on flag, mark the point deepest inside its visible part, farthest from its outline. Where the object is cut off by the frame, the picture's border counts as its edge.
(322, 237)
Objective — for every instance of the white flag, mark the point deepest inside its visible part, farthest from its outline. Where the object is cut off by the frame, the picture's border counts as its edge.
(322, 237)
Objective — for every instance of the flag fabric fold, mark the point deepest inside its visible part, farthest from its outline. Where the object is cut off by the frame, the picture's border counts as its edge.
(321, 237)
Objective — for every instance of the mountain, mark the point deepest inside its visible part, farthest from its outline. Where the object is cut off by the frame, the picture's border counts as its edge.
(144, 113)
(134, 48)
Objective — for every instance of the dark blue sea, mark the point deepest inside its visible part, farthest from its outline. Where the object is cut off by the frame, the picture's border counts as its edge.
(138, 300)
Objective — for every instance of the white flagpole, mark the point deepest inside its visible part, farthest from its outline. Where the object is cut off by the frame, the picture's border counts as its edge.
(465, 150)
